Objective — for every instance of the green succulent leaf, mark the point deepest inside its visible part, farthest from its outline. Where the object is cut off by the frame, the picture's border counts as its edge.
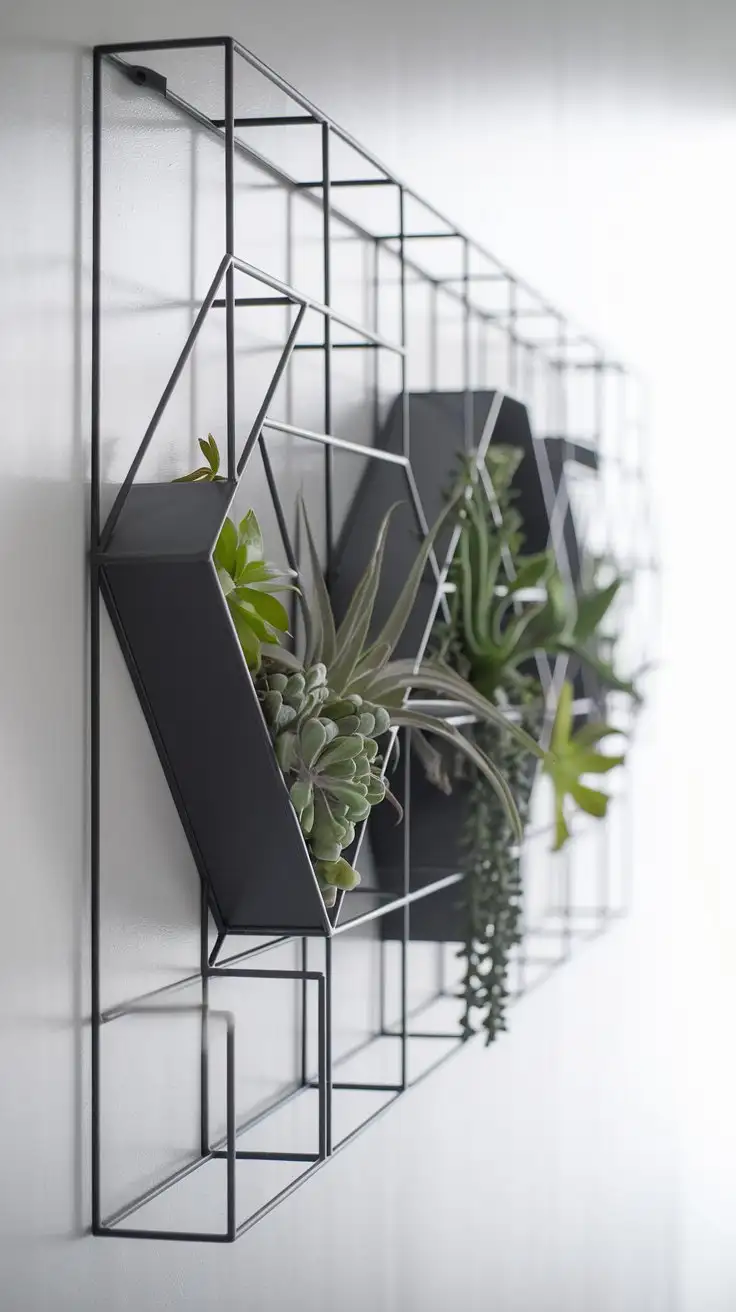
(572, 755)
(250, 536)
(226, 547)
(269, 608)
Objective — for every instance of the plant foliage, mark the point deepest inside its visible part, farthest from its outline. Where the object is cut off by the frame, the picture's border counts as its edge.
(573, 755)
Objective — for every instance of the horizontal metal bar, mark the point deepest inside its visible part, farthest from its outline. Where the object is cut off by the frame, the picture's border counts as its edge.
(216, 971)
(400, 902)
(254, 952)
(503, 272)
(355, 1086)
(338, 346)
(242, 1155)
(416, 236)
(155, 1191)
(351, 182)
(177, 1236)
(240, 301)
(252, 271)
(370, 452)
(173, 43)
(267, 121)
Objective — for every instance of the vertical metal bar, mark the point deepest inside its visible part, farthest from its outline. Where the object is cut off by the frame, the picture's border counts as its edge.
(468, 434)
(230, 249)
(327, 344)
(382, 984)
(405, 915)
(513, 344)
(376, 355)
(204, 1063)
(406, 438)
(562, 418)
(328, 1046)
(304, 967)
(322, 1064)
(231, 1132)
(440, 969)
(433, 336)
(94, 754)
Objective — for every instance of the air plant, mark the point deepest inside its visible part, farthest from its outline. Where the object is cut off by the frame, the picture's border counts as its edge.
(359, 668)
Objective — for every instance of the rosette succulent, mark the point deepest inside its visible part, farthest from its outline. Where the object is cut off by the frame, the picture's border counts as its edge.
(327, 750)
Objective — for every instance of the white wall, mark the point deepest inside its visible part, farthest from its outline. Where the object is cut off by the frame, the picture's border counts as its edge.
(587, 1160)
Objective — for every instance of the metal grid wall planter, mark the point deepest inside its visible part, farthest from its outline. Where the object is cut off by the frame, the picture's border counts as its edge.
(151, 561)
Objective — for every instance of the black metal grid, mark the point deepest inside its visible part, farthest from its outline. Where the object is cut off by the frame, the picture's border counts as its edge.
(517, 313)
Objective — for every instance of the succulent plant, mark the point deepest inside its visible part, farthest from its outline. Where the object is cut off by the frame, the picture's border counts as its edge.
(327, 750)
(247, 580)
(573, 755)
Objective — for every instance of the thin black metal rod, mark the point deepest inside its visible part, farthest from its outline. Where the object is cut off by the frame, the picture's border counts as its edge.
(241, 302)
(154, 1192)
(304, 1036)
(403, 319)
(317, 306)
(230, 248)
(174, 377)
(327, 342)
(356, 1086)
(271, 390)
(231, 1130)
(338, 346)
(329, 971)
(322, 1066)
(204, 1054)
(174, 43)
(267, 121)
(406, 912)
(349, 182)
(368, 451)
(418, 236)
(243, 1155)
(501, 271)
(94, 715)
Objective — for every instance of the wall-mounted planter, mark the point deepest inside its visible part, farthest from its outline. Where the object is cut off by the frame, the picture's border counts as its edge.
(440, 424)
(183, 654)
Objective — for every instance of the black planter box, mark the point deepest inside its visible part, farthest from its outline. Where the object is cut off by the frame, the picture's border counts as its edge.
(437, 422)
(166, 605)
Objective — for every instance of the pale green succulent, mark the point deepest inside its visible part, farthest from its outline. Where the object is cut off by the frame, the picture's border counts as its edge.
(327, 750)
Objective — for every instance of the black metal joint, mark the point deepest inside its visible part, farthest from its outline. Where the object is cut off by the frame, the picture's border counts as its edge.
(146, 77)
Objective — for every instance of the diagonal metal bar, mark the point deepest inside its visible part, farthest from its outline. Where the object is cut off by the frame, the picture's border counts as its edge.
(174, 377)
(278, 374)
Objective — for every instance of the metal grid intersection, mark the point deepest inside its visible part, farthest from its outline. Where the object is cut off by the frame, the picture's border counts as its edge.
(570, 351)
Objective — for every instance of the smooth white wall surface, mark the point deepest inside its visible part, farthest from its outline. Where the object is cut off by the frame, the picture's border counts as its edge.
(587, 1161)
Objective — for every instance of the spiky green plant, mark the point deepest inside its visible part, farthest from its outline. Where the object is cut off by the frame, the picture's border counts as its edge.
(248, 581)
(357, 667)
(495, 631)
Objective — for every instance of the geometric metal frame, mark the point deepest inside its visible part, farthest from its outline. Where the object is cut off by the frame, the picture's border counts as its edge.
(459, 288)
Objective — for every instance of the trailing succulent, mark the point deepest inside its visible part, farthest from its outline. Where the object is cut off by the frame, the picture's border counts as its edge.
(506, 607)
